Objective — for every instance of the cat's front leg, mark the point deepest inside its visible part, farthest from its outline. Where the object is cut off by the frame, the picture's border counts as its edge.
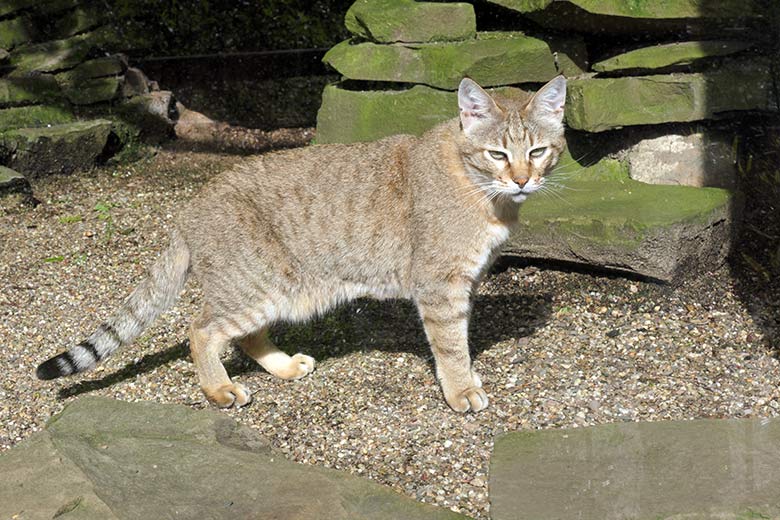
(445, 316)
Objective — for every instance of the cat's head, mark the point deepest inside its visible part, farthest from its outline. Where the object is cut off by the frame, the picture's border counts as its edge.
(509, 146)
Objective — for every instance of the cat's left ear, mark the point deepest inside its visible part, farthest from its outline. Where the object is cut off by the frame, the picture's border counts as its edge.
(548, 102)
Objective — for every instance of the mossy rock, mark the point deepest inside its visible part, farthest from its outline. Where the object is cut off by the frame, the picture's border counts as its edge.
(653, 9)
(605, 219)
(91, 91)
(388, 21)
(76, 21)
(55, 149)
(53, 55)
(17, 31)
(34, 116)
(347, 116)
(670, 54)
(598, 104)
(3, 55)
(95, 68)
(17, 91)
(485, 59)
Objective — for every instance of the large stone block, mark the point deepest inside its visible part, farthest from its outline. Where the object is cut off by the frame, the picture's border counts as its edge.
(698, 158)
(36, 115)
(485, 59)
(670, 54)
(653, 9)
(666, 470)
(57, 55)
(106, 459)
(95, 68)
(55, 149)
(388, 21)
(91, 91)
(17, 91)
(3, 55)
(605, 219)
(595, 104)
(347, 116)
(17, 31)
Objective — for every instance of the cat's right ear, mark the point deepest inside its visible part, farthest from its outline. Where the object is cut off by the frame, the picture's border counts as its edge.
(476, 105)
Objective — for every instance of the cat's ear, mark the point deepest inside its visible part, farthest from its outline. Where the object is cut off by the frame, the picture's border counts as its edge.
(476, 105)
(547, 103)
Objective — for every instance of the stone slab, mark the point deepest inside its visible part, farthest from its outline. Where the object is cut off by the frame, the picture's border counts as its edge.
(388, 21)
(95, 68)
(484, 59)
(55, 149)
(91, 91)
(17, 91)
(652, 9)
(3, 55)
(17, 31)
(12, 181)
(598, 104)
(52, 56)
(693, 470)
(347, 116)
(696, 158)
(605, 219)
(33, 116)
(148, 460)
(670, 54)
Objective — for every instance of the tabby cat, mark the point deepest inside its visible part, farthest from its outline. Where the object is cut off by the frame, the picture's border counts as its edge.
(291, 234)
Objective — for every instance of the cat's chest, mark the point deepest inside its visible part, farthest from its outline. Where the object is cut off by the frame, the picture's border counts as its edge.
(487, 245)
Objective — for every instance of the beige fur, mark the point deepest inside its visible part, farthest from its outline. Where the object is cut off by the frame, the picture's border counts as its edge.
(292, 234)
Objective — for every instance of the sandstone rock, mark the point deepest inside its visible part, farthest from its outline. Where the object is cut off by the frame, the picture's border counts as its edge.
(95, 68)
(670, 54)
(136, 83)
(76, 21)
(108, 459)
(53, 55)
(16, 91)
(154, 114)
(595, 105)
(55, 149)
(351, 115)
(693, 159)
(389, 21)
(674, 470)
(652, 9)
(484, 59)
(603, 218)
(12, 181)
(37, 115)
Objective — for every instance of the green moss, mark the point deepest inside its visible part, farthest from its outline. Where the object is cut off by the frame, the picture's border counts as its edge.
(28, 90)
(16, 31)
(681, 53)
(408, 21)
(653, 9)
(39, 115)
(443, 65)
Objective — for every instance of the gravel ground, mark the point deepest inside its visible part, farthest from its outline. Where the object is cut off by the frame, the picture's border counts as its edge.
(556, 348)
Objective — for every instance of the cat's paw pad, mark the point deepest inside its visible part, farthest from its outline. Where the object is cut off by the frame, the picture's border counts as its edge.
(228, 395)
(297, 367)
(305, 363)
(471, 399)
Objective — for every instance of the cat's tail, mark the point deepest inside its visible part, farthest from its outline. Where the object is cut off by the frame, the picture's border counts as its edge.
(155, 294)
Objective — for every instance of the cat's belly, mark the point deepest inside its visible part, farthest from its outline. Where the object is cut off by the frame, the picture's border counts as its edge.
(316, 300)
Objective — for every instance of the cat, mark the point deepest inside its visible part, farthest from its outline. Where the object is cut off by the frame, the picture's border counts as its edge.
(291, 234)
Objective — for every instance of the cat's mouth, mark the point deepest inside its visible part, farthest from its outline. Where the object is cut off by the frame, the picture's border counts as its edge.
(520, 196)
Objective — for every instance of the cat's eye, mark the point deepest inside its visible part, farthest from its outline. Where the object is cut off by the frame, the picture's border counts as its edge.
(499, 156)
(537, 152)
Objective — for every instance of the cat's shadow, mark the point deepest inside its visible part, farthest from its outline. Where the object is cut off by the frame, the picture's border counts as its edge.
(360, 326)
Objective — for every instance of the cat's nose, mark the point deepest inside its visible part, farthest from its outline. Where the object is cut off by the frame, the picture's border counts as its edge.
(521, 181)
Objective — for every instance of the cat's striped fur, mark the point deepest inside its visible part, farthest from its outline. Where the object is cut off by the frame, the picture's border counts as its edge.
(291, 234)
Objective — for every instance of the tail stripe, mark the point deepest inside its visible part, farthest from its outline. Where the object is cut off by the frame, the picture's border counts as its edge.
(89, 347)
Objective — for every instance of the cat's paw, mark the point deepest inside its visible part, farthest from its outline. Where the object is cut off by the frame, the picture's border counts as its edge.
(228, 395)
(295, 367)
(472, 398)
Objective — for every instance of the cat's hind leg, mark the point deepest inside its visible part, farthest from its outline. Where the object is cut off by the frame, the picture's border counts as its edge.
(207, 341)
(259, 347)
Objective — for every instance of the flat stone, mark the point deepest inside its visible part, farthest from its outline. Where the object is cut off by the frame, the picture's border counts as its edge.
(347, 116)
(17, 31)
(76, 21)
(604, 218)
(598, 104)
(390, 21)
(36, 115)
(670, 54)
(17, 91)
(102, 458)
(12, 181)
(91, 91)
(443, 65)
(153, 115)
(3, 54)
(674, 470)
(55, 149)
(95, 68)
(703, 158)
(653, 9)
(52, 56)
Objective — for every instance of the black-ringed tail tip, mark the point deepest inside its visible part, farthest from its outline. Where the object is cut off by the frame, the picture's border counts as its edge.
(49, 369)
